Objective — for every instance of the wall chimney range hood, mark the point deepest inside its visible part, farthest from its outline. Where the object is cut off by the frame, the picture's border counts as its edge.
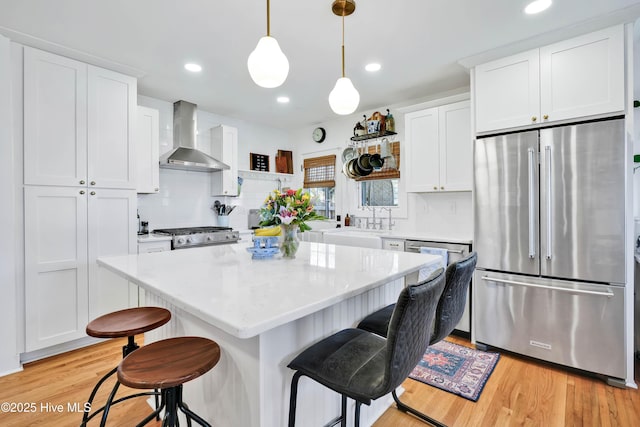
(185, 155)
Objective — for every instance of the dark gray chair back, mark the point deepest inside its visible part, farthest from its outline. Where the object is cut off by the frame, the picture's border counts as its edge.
(409, 329)
(454, 297)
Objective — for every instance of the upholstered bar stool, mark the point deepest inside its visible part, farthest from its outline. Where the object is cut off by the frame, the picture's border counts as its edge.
(448, 313)
(167, 365)
(364, 366)
(119, 324)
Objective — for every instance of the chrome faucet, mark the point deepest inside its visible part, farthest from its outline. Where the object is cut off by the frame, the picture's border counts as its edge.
(372, 222)
(391, 223)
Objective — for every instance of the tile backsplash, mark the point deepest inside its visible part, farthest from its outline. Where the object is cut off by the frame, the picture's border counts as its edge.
(184, 200)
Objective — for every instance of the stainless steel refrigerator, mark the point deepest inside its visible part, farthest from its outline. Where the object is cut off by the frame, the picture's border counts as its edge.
(549, 229)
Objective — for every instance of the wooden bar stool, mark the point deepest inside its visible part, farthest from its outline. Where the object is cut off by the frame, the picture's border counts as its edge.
(167, 365)
(119, 324)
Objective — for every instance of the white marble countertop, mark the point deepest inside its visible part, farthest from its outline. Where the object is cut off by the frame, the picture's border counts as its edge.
(228, 289)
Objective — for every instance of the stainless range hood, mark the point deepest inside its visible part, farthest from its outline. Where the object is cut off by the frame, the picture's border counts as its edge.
(185, 155)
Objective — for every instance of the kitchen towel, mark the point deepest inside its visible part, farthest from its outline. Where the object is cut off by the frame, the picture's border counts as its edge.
(426, 272)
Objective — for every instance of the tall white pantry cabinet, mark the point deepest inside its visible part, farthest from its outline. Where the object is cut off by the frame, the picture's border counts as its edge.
(79, 194)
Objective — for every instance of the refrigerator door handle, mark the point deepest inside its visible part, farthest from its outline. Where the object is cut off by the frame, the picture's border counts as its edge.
(547, 155)
(532, 201)
(553, 288)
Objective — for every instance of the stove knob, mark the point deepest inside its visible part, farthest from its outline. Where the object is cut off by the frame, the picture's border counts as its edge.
(189, 240)
(180, 240)
(209, 238)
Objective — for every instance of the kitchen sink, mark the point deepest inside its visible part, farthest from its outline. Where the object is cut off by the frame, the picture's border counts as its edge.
(355, 237)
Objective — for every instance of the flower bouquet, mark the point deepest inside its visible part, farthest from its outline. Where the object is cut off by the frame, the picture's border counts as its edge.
(290, 209)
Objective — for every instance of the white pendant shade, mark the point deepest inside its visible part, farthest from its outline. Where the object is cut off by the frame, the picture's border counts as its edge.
(267, 64)
(344, 98)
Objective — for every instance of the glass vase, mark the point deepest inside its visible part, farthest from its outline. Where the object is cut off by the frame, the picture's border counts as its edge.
(290, 241)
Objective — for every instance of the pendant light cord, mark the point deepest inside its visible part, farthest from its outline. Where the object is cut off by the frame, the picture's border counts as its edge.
(268, 24)
(343, 45)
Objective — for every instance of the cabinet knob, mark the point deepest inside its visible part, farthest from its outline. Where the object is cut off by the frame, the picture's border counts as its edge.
(442, 188)
(534, 118)
(82, 181)
(93, 193)
(435, 188)
(546, 117)
(92, 183)
(156, 189)
(81, 191)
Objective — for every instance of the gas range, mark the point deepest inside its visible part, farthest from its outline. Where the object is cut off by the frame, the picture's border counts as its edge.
(191, 237)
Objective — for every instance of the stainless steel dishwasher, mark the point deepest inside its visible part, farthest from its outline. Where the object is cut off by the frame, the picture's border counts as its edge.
(455, 251)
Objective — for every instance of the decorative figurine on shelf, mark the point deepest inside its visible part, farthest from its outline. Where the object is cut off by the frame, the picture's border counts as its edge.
(390, 122)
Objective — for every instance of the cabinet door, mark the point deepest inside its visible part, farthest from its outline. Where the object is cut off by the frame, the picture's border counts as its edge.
(507, 92)
(112, 113)
(55, 265)
(112, 231)
(583, 76)
(55, 119)
(422, 155)
(224, 147)
(147, 140)
(456, 160)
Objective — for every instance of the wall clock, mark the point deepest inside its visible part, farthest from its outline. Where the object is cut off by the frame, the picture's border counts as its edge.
(319, 134)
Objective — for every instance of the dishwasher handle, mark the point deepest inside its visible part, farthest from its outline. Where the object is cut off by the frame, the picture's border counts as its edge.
(411, 248)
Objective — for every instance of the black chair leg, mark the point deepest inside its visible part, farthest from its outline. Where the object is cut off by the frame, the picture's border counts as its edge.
(107, 406)
(85, 416)
(155, 414)
(356, 421)
(406, 408)
(293, 397)
(343, 421)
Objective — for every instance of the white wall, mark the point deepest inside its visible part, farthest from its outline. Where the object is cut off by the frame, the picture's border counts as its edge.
(9, 359)
(184, 198)
(437, 214)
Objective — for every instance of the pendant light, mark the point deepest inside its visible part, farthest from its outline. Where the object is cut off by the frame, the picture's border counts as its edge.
(267, 64)
(344, 98)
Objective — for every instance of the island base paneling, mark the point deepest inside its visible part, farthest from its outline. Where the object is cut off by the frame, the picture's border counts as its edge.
(251, 383)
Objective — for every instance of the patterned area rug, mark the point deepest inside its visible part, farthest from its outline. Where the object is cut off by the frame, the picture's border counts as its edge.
(457, 369)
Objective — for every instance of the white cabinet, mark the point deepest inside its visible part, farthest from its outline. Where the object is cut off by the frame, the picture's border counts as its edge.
(111, 230)
(579, 77)
(66, 230)
(147, 143)
(438, 152)
(224, 147)
(150, 246)
(77, 121)
(79, 194)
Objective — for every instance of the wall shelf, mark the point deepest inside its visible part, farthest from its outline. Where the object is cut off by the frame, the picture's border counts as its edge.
(373, 135)
(273, 176)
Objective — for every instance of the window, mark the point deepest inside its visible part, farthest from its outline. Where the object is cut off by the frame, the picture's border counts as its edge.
(381, 192)
(319, 180)
(380, 188)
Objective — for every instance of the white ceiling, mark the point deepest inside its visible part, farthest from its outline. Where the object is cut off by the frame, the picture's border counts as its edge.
(424, 46)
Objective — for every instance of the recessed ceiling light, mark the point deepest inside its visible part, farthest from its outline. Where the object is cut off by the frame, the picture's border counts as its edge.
(374, 66)
(195, 68)
(283, 99)
(537, 6)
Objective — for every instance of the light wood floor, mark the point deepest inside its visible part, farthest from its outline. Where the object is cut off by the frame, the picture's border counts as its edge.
(519, 393)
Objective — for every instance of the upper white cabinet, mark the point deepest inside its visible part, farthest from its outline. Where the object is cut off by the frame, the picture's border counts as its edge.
(438, 152)
(224, 147)
(147, 143)
(579, 77)
(77, 123)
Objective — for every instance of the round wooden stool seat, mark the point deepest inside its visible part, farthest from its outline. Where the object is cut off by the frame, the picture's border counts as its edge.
(128, 322)
(168, 363)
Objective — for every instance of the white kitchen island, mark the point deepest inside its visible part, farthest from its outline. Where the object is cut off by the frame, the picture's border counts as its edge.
(262, 313)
